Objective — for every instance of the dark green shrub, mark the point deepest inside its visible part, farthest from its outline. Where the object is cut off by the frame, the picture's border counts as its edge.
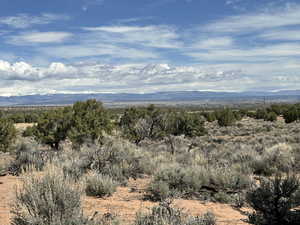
(184, 123)
(81, 122)
(209, 116)
(226, 118)
(154, 123)
(7, 134)
(89, 121)
(52, 127)
(292, 114)
(138, 124)
(271, 116)
(274, 200)
(261, 114)
(28, 132)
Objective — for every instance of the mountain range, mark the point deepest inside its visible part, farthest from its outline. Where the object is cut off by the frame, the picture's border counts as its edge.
(178, 97)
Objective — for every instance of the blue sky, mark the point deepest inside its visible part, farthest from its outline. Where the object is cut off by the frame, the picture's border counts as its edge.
(85, 46)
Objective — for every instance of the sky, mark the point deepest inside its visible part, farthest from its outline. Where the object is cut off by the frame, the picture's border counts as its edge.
(143, 46)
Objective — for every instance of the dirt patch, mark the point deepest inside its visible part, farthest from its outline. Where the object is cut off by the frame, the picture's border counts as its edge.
(125, 203)
(23, 126)
(8, 186)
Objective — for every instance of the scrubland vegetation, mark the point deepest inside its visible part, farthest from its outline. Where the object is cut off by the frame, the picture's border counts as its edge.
(245, 158)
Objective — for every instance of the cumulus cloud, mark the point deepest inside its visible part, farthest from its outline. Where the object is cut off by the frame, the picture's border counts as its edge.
(22, 78)
(22, 21)
(61, 78)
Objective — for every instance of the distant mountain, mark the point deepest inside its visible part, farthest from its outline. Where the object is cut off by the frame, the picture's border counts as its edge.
(172, 97)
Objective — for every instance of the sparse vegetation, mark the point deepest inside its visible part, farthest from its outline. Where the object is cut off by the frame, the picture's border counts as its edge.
(214, 155)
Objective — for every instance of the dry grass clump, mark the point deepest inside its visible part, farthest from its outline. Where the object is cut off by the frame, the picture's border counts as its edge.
(197, 181)
(99, 185)
(165, 214)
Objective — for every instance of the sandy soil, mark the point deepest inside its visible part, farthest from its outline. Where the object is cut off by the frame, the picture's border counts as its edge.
(23, 126)
(7, 192)
(126, 202)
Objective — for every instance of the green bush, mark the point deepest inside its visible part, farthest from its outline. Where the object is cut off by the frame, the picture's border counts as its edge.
(81, 122)
(7, 135)
(154, 123)
(52, 127)
(183, 123)
(209, 116)
(89, 121)
(261, 114)
(138, 124)
(226, 118)
(292, 114)
(271, 116)
(99, 185)
(274, 200)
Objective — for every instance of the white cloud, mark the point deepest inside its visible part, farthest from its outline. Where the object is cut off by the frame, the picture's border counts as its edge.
(281, 35)
(38, 38)
(90, 50)
(61, 78)
(255, 54)
(214, 43)
(22, 78)
(23, 21)
(284, 16)
(149, 36)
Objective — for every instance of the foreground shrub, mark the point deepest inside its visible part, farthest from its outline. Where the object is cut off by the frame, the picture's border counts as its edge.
(7, 134)
(274, 200)
(49, 200)
(99, 185)
(165, 214)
